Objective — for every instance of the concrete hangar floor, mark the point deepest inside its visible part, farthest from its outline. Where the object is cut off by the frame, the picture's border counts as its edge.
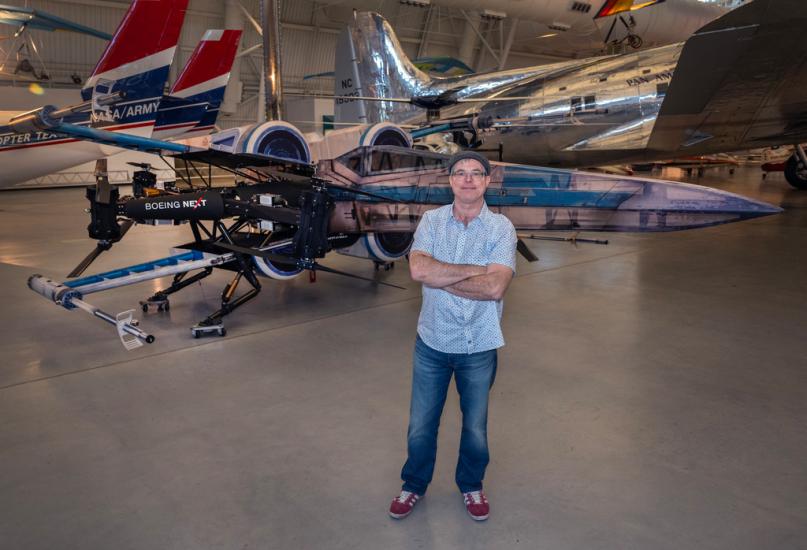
(652, 394)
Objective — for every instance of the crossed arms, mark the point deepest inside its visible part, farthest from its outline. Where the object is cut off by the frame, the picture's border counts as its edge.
(475, 282)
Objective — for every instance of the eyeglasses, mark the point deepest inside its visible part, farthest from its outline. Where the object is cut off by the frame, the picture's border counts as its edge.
(462, 174)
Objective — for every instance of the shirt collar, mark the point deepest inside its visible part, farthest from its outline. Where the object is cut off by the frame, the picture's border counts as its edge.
(482, 217)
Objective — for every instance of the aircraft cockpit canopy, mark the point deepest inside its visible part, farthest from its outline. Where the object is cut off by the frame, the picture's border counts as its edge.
(387, 159)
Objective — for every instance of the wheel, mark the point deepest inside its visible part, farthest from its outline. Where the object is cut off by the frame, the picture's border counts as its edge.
(796, 172)
(222, 332)
(167, 306)
(145, 308)
(195, 333)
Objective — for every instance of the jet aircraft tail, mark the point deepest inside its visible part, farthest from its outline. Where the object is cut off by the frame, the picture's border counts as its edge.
(192, 105)
(370, 62)
(739, 83)
(136, 66)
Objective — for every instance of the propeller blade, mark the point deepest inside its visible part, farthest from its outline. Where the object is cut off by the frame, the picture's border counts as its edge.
(90, 258)
(320, 267)
(525, 251)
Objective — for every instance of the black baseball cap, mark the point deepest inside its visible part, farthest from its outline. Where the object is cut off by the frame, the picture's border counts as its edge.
(470, 155)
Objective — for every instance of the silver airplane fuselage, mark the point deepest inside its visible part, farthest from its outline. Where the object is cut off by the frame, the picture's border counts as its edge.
(576, 113)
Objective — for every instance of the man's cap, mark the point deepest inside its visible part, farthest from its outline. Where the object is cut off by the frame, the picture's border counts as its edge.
(469, 155)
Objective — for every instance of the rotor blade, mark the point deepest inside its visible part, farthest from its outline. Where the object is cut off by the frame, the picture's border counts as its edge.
(90, 258)
(103, 191)
(320, 267)
(278, 258)
(125, 226)
(563, 239)
(366, 193)
(525, 251)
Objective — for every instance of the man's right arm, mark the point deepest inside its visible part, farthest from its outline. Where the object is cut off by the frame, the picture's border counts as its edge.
(436, 274)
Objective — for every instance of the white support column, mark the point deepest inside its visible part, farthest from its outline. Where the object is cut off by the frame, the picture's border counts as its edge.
(233, 20)
(261, 95)
(508, 44)
(469, 38)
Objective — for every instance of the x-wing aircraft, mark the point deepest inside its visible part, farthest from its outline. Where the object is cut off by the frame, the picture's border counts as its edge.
(287, 211)
(738, 83)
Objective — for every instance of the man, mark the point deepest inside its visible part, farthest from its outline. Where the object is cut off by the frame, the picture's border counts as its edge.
(464, 255)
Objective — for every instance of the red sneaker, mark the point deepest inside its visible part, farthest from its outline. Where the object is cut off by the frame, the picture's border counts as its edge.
(477, 505)
(402, 504)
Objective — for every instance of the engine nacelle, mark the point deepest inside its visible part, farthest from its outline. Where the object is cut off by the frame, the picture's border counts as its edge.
(380, 247)
(338, 142)
(275, 138)
(385, 133)
(273, 270)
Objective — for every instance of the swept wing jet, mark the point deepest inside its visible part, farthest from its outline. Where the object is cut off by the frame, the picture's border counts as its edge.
(737, 83)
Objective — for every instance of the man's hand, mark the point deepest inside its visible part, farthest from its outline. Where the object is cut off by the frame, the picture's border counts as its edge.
(436, 274)
(489, 286)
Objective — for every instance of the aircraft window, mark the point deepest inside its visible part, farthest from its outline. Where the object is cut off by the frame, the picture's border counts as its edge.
(661, 89)
(590, 102)
(382, 162)
(577, 104)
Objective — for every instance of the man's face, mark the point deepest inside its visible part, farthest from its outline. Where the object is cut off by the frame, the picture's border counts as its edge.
(468, 181)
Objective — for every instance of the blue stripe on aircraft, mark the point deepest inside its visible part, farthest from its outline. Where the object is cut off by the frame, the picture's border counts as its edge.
(520, 194)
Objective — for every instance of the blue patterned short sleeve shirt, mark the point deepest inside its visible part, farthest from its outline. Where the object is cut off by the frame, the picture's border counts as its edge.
(449, 323)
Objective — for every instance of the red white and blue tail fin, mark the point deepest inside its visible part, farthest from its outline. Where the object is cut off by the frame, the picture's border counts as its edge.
(136, 62)
(193, 103)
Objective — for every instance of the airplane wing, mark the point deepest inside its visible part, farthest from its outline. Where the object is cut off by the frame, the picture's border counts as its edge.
(42, 20)
(740, 83)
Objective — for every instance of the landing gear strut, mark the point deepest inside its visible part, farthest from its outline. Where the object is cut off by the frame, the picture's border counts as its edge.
(159, 299)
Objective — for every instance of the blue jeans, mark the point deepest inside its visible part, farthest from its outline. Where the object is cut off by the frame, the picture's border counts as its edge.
(431, 376)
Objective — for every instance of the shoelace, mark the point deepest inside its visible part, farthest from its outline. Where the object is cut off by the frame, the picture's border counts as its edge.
(475, 497)
(405, 496)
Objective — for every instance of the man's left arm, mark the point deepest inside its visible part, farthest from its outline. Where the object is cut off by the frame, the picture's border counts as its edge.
(490, 286)
(500, 270)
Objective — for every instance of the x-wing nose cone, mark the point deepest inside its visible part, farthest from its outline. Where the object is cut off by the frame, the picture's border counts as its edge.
(687, 197)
